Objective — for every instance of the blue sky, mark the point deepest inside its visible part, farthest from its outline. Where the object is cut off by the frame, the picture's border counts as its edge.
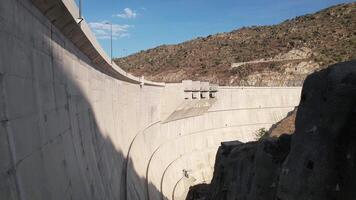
(144, 24)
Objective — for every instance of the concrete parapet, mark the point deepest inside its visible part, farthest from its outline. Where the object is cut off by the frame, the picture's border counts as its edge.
(188, 88)
(199, 90)
(187, 85)
(196, 90)
(204, 90)
(213, 90)
(204, 86)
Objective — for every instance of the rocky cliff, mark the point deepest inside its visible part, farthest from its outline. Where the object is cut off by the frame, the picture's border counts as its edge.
(285, 126)
(277, 55)
(317, 162)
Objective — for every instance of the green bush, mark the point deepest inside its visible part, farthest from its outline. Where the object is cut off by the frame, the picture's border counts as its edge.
(260, 133)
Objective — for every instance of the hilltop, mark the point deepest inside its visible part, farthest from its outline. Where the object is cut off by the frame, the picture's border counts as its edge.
(277, 55)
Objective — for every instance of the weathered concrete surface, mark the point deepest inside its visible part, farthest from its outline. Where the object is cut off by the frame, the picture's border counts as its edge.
(73, 126)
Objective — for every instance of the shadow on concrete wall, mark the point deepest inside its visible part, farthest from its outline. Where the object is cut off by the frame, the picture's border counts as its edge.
(76, 162)
(98, 153)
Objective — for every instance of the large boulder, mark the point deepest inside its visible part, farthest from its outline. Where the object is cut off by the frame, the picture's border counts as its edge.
(322, 164)
(249, 171)
(317, 162)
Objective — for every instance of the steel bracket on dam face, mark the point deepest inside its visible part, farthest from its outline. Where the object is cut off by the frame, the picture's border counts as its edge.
(77, 126)
(188, 171)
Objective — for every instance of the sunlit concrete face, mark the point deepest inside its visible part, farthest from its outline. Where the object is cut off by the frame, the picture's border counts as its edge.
(168, 148)
(75, 127)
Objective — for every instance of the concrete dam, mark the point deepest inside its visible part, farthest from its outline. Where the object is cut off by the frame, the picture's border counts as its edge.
(74, 125)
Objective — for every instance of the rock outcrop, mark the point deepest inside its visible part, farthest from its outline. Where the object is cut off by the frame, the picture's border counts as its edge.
(317, 162)
(285, 126)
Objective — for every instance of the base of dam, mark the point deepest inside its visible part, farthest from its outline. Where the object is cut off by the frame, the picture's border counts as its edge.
(76, 126)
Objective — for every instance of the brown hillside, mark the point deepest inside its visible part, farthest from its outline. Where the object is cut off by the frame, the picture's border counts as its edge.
(281, 54)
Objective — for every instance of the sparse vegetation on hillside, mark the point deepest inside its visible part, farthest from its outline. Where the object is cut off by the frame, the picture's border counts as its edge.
(260, 133)
(330, 34)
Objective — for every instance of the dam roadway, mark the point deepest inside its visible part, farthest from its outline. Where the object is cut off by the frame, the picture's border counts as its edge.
(76, 126)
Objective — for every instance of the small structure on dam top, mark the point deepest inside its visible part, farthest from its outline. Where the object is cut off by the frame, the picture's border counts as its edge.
(198, 98)
(199, 90)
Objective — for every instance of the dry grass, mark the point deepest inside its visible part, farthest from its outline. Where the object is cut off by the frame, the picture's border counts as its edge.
(330, 34)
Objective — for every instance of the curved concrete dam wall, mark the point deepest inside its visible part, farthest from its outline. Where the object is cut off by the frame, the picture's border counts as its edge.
(75, 126)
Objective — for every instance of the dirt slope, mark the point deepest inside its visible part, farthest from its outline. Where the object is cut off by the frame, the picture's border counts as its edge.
(276, 55)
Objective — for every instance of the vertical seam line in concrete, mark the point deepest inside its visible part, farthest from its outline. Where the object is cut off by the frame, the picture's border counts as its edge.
(39, 103)
(33, 14)
(97, 150)
(10, 140)
(71, 131)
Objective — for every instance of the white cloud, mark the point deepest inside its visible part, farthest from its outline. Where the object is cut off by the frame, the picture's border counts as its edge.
(102, 30)
(127, 14)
